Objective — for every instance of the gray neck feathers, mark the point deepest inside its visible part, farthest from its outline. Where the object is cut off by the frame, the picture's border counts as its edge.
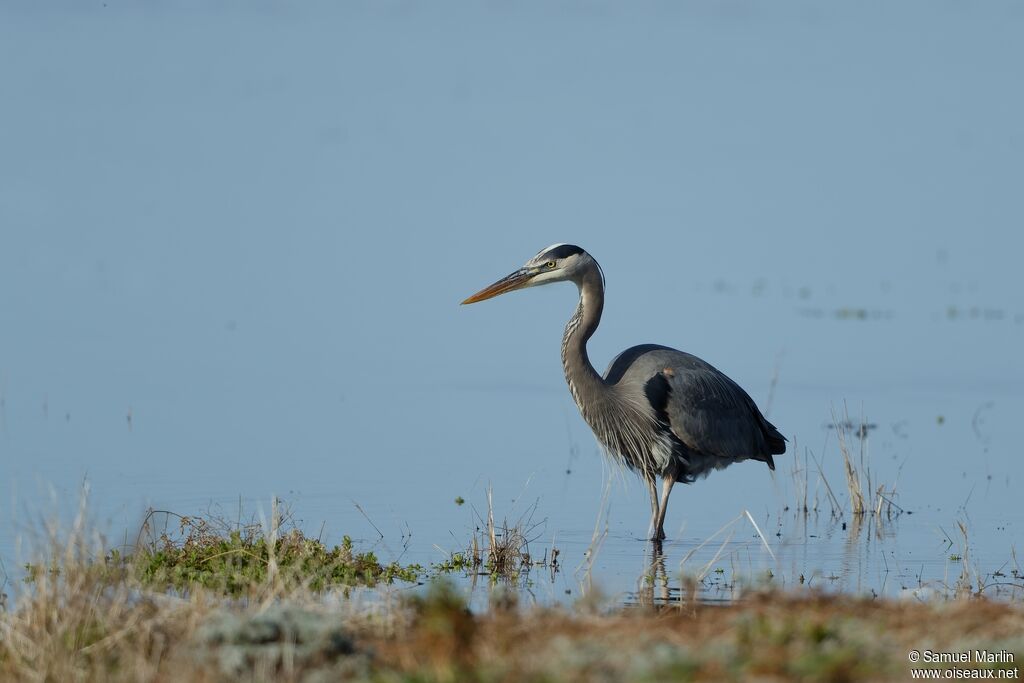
(621, 422)
(579, 373)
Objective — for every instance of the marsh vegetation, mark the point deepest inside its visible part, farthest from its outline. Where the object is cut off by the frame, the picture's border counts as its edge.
(265, 605)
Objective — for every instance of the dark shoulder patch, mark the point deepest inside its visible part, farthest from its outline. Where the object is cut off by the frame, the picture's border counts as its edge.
(658, 390)
(564, 251)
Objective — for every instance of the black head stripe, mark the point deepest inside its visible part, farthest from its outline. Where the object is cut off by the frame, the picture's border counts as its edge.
(563, 251)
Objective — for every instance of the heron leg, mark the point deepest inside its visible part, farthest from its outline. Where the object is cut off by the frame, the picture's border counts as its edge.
(667, 482)
(653, 491)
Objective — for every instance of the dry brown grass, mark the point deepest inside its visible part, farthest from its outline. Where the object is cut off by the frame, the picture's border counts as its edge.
(768, 636)
(80, 617)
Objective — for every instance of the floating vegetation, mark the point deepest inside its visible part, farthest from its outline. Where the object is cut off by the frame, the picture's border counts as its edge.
(235, 559)
(975, 313)
(847, 313)
(860, 429)
(185, 553)
(233, 563)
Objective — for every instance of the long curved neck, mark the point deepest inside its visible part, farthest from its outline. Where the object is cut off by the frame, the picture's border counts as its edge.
(579, 373)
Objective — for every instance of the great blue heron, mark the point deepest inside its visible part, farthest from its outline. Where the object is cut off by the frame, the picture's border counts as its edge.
(659, 411)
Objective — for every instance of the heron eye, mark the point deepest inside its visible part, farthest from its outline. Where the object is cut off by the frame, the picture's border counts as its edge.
(549, 264)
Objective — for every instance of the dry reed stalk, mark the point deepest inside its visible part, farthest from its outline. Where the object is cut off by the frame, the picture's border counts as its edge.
(853, 483)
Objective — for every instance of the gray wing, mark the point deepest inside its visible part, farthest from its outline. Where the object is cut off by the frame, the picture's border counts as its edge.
(705, 410)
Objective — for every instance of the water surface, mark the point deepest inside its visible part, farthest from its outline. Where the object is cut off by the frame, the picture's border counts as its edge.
(233, 241)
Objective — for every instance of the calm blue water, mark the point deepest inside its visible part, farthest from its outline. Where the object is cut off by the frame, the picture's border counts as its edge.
(233, 241)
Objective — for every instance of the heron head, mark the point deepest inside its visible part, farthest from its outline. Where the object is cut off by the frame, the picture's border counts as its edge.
(556, 263)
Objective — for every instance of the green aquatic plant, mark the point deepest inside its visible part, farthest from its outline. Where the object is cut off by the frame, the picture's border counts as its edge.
(456, 562)
(202, 552)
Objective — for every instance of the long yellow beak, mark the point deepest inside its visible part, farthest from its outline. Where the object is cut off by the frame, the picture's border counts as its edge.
(510, 282)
